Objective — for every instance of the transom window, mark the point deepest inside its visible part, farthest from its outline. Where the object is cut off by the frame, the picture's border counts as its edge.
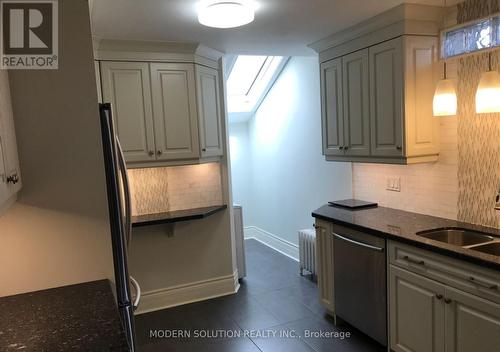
(471, 37)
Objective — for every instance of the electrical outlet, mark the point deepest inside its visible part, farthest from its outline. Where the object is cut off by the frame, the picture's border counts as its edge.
(393, 184)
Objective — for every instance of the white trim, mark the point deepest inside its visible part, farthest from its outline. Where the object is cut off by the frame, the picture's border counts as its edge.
(188, 293)
(273, 241)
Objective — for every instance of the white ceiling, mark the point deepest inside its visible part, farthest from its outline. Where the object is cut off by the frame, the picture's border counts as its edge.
(281, 27)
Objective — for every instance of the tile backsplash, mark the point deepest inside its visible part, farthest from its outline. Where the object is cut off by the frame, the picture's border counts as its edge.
(430, 188)
(157, 190)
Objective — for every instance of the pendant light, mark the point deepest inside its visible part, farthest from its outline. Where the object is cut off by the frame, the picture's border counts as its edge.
(445, 97)
(226, 13)
(488, 91)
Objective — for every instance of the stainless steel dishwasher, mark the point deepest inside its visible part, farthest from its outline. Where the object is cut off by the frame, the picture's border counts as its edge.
(360, 281)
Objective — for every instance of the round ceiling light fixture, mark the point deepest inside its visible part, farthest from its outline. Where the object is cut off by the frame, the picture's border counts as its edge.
(226, 13)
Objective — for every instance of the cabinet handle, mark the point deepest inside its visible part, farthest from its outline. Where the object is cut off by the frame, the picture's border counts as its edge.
(151, 153)
(413, 261)
(482, 284)
(13, 179)
(439, 296)
(447, 300)
(158, 152)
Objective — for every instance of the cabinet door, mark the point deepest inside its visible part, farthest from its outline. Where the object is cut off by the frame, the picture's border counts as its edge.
(386, 98)
(472, 323)
(331, 107)
(9, 163)
(126, 86)
(356, 103)
(416, 311)
(175, 113)
(209, 111)
(324, 256)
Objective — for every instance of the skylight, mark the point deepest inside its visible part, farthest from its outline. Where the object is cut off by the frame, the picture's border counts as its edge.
(249, 81)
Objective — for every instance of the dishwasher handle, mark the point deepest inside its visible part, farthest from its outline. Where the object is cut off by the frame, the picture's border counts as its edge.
(357, 243)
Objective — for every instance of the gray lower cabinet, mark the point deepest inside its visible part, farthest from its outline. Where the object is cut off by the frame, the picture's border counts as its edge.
(472, 323)
(324, 264)
(416, 312)
(437, 304)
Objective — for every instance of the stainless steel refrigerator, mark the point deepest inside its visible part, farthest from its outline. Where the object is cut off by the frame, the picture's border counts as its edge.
(120, 222)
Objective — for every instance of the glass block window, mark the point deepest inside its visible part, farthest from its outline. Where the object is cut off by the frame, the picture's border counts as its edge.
(471, 37)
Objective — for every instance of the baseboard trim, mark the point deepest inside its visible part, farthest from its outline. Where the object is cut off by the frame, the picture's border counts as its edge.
(273, 241)
(188, 293)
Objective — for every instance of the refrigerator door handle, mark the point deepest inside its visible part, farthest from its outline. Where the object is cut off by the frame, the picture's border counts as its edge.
(128, 216)
(137, 289)
(126, 193)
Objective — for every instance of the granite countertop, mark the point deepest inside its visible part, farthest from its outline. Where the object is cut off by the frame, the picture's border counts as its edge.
(81, 317)
(176, 216)
(403, 226)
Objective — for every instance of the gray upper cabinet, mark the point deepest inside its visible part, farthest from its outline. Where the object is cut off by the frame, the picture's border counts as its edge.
(175, 113)
(356, 103)
(165, 113)
(209, 111)
(126, 85)
(331, 107)
(386, 98)
(383, 103)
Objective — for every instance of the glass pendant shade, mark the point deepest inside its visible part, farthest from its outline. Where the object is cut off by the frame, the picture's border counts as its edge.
(488, 93)
(445, 98)
(226, 13)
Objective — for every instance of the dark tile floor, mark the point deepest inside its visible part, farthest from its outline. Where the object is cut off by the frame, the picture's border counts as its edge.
(275, 310)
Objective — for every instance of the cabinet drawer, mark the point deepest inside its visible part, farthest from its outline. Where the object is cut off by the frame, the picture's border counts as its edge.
(467, 277)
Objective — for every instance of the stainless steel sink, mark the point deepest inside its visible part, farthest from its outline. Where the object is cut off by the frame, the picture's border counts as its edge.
(490, 248)
(457, 236)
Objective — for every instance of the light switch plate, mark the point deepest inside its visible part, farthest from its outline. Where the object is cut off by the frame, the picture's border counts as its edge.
(393, 184)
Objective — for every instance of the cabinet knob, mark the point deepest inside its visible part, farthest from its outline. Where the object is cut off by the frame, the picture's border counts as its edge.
(158, 152)
(398, 147)
(204, 150)
(151, 153)
(438, 296)
(346, 147)
(13, 179)
(341, 147)
(447, 300)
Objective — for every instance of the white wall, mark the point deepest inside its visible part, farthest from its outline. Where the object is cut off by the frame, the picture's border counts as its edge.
(289, 175)
(58, 232)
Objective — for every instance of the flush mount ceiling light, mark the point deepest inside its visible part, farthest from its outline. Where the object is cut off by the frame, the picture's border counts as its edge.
(226, 13)
(488, 91)
(445, 97)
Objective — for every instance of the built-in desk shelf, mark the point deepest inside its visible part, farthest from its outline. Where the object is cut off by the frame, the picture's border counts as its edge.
(176, 216)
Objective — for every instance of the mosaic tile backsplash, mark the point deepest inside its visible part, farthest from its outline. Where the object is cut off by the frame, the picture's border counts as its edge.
(157, 190)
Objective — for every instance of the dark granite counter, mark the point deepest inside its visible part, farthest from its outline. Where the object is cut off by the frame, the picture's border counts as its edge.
(403, 226)
(175, 216)
(79, 317)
